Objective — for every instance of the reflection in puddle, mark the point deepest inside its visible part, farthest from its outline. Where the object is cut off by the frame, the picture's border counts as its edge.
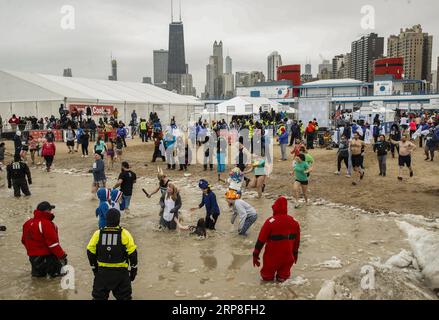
(209, 259)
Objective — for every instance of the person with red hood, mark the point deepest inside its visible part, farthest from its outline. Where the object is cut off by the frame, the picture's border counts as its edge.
(40, 238)
(281, 234)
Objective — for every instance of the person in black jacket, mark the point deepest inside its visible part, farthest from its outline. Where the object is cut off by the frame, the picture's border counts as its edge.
(17, 172)
(381, 147)
(17, 143)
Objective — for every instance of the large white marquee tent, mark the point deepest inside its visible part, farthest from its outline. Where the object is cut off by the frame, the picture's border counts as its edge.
(40, 95)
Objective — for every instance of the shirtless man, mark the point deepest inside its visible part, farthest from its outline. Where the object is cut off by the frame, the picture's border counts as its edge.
(405, 155)
(356, 146)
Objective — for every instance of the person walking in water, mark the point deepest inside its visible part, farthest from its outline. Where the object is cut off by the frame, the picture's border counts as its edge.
(112, 255)
(210, 203)
(40, 238)
(281, 236)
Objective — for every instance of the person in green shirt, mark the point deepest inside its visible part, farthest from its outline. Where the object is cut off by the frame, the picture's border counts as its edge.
(309, 159)
(300, 173)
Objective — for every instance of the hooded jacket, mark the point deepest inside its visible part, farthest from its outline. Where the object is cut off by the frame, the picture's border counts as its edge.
(281, 234)
(104, 195)
(117, 200)
(40, 236)
(48, 149)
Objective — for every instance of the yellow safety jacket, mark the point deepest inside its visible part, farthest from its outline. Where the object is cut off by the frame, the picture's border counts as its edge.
(143, 125)
(124, 243)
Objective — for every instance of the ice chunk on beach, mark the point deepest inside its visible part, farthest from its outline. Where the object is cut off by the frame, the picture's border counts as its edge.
(425, 246)
(327, 292)
(401, 260)
(334, 263)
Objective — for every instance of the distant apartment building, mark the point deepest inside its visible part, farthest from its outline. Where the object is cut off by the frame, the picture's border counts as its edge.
(274, 60)
(363, 52)
(415, 46)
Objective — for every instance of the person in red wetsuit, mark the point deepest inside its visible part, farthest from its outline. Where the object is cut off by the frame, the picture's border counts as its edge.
(281, 233)
(40, 238)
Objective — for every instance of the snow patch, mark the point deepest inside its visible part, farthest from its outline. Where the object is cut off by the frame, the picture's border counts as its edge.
(425, 246)
(334, 263)
(327, 292)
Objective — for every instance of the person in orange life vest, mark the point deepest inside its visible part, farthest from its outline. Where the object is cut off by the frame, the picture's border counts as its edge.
(40, 238)
(281, 234)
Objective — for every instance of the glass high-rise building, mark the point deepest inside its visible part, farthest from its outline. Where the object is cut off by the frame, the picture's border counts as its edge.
(176, 56)
(160, 62)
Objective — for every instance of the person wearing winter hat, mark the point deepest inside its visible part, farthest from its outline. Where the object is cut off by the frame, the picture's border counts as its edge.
(283, 141)
(210, 203)
(247, 214)
(17, 143)
(281, 236)
(112, 254)
(40, 238)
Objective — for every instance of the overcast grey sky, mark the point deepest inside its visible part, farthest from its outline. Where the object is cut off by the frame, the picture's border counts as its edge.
(33, 40)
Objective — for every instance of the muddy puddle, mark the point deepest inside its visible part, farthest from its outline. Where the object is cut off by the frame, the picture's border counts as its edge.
(336, 241)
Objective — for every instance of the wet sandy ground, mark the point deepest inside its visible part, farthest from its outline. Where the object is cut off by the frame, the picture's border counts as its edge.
(174, 265)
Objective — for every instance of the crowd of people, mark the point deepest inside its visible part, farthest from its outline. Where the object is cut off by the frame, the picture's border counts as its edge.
(112, 252)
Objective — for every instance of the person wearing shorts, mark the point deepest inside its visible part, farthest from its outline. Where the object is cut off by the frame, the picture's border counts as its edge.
(406, 148)
(99, 178)
(300, 173)
(356, 147)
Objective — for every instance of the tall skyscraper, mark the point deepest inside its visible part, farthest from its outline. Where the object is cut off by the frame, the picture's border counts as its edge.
(160, 61)
(274, 60)
(113, 76)
(211, 75)
(218, 52)
(214, 72)
(308, 69)
(364, 52)
(67, 73)
(228, 85)
(415, 47)
(229, 65)
(176, 55)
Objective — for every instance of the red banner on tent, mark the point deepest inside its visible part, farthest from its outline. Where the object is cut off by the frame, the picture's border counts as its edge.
(37, 134)
(96, 110)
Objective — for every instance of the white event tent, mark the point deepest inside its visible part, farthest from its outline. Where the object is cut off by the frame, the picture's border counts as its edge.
(40, 95)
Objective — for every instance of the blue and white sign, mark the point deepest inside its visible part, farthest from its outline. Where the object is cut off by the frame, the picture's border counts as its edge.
(383, 88)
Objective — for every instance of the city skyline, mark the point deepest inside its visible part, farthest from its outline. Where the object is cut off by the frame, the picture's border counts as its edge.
(133, 30)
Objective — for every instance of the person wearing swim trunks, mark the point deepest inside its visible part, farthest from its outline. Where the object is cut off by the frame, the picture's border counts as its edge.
(406, 148)
(356, 146)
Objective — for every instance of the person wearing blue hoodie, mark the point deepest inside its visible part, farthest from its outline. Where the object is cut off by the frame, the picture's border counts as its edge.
(117, 200)
(79, 133)
(210, 203)
(283, 141)
(104, 196)
(122, 132)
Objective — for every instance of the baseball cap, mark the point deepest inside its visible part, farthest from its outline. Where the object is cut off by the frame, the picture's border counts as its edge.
(45, 206)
